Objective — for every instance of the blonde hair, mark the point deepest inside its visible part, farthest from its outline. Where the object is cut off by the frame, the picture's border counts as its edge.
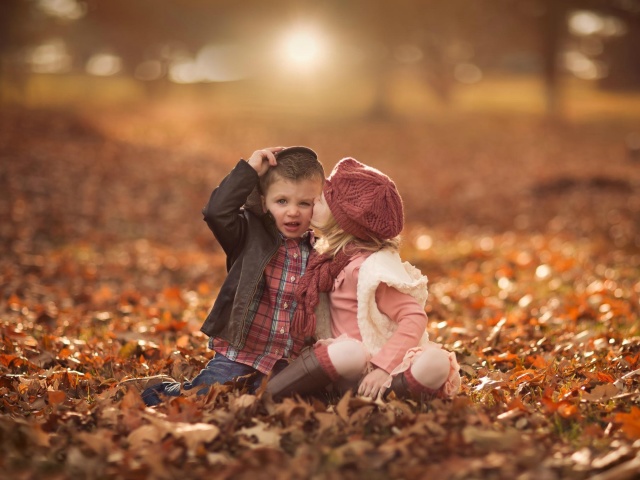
(334, 239)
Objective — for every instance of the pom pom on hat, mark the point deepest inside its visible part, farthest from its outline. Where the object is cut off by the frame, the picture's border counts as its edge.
(364, 201)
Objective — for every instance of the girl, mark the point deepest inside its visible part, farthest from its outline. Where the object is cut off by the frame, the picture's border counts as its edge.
(375, 303)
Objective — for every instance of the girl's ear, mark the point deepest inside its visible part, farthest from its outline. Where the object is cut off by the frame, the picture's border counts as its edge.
(264, 204)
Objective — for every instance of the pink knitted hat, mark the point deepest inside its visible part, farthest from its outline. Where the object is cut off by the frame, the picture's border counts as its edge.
(364, 201)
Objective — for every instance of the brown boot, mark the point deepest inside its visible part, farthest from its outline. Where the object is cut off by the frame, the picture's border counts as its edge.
(302, 376)
(405, 386)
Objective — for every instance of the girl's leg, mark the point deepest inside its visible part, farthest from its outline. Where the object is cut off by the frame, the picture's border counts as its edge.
(317, 367)
(433, 372)
(431, 368)
(349, 358)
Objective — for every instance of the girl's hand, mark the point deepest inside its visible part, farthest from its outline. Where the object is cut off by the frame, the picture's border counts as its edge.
(262, 160)
(371, 384)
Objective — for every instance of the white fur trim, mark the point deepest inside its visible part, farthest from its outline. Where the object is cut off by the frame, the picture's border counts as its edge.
(385, 266)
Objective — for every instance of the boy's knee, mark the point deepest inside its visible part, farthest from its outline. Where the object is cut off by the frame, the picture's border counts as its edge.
(349, 357)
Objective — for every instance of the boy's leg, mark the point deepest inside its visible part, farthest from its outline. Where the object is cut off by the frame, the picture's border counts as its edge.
(218, 370)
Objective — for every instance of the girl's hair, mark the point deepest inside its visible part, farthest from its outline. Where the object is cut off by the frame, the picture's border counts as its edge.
(334, 239)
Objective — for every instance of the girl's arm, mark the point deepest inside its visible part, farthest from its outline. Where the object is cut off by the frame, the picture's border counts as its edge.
(412, 321)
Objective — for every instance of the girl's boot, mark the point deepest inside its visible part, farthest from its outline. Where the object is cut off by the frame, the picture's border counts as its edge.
(304, 375)
(405, 386)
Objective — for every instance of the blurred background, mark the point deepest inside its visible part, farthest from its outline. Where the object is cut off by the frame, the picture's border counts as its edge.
(333, 57)
(119, 116)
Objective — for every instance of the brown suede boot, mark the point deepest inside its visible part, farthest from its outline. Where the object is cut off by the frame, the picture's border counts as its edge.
(302, 376)
(405, 386)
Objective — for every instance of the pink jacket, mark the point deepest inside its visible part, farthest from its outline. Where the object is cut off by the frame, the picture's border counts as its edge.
(400, 308)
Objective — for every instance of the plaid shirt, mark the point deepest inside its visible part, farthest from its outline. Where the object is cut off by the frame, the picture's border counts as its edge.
(270, 312)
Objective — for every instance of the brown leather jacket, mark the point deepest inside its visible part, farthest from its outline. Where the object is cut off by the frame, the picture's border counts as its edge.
(250, 239)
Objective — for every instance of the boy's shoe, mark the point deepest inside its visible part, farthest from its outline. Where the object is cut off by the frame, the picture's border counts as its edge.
(142, 383)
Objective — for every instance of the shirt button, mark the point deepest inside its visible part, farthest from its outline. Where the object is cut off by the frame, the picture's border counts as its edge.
(282, 330)
(293, 278)
(286, 305)
(295, 255)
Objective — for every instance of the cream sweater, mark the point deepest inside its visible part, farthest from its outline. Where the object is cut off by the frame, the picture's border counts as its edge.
(376, 328)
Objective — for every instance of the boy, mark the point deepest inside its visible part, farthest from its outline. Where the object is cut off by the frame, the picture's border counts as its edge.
(260, 214)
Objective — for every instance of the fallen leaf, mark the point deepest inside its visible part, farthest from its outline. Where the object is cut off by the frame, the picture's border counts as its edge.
(56, 397)
(630, 422)
(601, 393)
(265, 435)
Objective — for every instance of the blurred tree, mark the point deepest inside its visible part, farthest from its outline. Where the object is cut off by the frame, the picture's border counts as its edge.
(444, 43)
(622, 59)
(621, 51)
(20, 26)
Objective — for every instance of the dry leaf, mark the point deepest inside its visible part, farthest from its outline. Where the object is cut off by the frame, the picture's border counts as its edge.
(265, 435)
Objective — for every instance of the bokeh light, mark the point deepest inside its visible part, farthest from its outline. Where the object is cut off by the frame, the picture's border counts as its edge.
(63, 9)
(50, 57)
(104, 64)
(304, 48)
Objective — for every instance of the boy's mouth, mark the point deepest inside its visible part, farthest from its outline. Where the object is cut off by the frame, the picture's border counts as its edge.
(292, 225)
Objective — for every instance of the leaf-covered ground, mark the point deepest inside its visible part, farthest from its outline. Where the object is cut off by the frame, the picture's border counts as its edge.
(528, 230)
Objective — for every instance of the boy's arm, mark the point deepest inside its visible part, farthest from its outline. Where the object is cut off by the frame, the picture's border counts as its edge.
(223, 211)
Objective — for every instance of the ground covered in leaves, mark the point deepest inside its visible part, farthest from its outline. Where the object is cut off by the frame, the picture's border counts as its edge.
(528, 230)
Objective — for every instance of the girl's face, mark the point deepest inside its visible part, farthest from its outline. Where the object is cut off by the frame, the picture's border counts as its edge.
(321, 212)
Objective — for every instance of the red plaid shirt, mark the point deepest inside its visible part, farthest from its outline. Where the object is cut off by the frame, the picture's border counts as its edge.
(270, 312)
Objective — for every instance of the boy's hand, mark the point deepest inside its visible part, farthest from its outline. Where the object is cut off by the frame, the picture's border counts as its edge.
(262, 160)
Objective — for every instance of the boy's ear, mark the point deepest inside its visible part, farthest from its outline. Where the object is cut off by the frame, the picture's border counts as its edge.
(264, 203)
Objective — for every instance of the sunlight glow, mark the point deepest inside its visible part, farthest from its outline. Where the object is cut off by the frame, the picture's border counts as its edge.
(64, 9)
(543, 271)
(583, 67)
(424, 242)
(50, 57)
(585, 23)
(213, 63)
(104, 64)
(304, 47)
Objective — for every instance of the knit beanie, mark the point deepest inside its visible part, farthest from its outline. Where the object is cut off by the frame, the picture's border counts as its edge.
(364, 201)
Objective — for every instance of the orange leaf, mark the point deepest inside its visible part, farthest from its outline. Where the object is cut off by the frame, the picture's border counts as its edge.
(630, 423)
(537, 361)
(64, 353)
(56, 397)
(567, 410)
(605, 377)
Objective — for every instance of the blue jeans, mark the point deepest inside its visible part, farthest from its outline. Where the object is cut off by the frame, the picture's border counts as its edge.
(218, 370)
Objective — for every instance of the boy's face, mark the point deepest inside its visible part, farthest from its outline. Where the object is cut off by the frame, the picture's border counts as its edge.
(291, 204)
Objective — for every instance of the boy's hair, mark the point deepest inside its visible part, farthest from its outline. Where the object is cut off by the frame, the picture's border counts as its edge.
(294, 164)
(333, 239)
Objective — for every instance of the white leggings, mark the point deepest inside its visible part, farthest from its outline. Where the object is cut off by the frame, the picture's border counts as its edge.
(430, 367)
